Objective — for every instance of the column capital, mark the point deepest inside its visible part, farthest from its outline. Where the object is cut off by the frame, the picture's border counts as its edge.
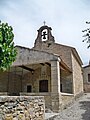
(56, 59)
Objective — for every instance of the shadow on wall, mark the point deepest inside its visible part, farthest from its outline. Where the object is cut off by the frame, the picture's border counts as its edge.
(85, 105)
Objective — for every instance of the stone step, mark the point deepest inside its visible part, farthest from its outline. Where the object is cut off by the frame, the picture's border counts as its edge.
(50, 116)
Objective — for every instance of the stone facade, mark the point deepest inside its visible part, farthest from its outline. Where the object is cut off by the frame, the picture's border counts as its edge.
(22, 108)
(77, 76)
(86, 72)
(48, 69)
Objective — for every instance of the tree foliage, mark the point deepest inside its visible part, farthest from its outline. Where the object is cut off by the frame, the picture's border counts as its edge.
(7, 50)
(87, 35)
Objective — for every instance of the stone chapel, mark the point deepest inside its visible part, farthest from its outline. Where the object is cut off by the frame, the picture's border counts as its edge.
(47, 69)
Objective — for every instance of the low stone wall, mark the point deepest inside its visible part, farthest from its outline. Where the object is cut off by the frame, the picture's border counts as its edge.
(22, 108)
(47, 98)
(67, 99)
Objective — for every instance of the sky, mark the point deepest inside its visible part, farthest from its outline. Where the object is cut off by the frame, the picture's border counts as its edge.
(67, 18)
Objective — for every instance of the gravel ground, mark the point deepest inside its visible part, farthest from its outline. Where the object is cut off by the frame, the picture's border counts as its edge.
(80, 110)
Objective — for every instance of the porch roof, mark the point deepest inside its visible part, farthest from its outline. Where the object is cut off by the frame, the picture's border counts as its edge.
(28, 56)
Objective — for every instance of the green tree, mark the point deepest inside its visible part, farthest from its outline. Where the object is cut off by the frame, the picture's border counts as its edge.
(7, 50)
(87, 35)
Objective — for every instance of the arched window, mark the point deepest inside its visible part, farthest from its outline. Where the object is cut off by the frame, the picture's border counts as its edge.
(43, 86)
(29, 88)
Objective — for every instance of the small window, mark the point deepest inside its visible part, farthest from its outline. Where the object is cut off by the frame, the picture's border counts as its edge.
(88, 77)
(43, 86)
(29, 88)
(61, 87)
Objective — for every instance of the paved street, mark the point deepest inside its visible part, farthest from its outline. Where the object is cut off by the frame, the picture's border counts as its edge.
(80, 110)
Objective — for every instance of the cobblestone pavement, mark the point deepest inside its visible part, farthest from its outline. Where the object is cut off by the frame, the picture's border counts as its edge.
(80, 110)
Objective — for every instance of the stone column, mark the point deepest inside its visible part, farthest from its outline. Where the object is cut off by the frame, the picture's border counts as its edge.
(55, 85)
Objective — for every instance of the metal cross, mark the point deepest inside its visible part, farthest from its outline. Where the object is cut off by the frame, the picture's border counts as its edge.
(44, 23)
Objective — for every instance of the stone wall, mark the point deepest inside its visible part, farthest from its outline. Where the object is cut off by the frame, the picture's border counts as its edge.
(77, 76)
(33, 79)
(86, 87)
(86, 71)
(67, 99)
(63, 51)
(66, 81)
(22, 108)
(47, 98)
(3, 81)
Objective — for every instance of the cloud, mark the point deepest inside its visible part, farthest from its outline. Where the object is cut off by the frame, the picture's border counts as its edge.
(66, 17)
